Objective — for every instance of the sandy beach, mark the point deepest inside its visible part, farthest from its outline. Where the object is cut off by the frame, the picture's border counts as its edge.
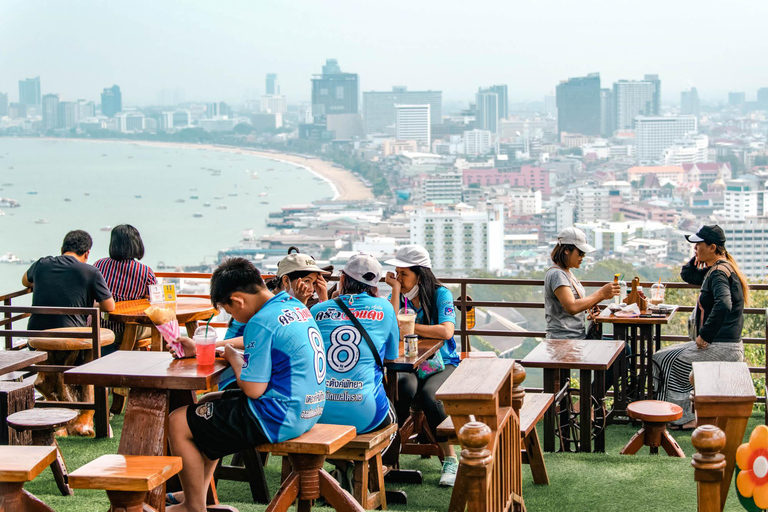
(346, 186)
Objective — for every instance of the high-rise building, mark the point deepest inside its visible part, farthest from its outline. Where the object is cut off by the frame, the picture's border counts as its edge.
(379, 106)
(29, 91)
(3, 104)
(274, 104)
(334, 92)
(487, 111)
(550, 105)
(111, 101)
(762, 98)
(477, 142)
(68, 117)
(50, 111)
(578, 105)
(655, 134)
(689, 102)
(745, 197)
(593, 204)
(692, 149)
(635, 97)
(130, 122)
(272, 87)
(607, 115)
(85, 109)
(501, 92)
(412, 123)
(736, 99)
(462, 239)
(442, 188)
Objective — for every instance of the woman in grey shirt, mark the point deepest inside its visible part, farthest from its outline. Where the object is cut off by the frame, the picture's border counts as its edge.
(565, 301)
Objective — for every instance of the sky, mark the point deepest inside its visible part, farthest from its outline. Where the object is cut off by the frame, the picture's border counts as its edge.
(221, 50)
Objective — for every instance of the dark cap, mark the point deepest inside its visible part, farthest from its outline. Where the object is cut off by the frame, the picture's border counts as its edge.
(709, 234)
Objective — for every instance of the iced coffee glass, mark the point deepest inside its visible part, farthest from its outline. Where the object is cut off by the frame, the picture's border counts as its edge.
(406, 321)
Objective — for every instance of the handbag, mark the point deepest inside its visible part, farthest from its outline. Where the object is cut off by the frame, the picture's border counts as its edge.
(364, 334)
(434, 364)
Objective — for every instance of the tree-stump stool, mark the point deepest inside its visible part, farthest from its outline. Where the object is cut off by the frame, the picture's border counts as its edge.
(43, 423)
(15, 397)
(69, 352)
(655, 415)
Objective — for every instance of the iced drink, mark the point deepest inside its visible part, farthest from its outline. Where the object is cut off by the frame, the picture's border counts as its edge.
(406, 321)
(205, 345)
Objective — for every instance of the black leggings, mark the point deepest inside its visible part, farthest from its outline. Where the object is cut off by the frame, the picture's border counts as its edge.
(411, 388)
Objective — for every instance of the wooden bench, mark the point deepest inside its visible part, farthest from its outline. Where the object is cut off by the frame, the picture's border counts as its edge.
(19, 464)
(723, 396)
(534, 407)
(126, 478)
(366, 450)
(307, 480)
(43, 424)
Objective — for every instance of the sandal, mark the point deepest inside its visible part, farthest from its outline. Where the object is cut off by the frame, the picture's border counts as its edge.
(170, 499)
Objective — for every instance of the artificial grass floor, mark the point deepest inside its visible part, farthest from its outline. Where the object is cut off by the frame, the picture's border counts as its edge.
(578, 482)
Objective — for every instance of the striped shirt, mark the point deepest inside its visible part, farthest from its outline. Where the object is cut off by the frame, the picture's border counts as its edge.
(127, 280)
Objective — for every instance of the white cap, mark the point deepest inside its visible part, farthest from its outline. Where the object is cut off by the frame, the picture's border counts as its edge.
(574, 236)
(411, 256)
(364, 268)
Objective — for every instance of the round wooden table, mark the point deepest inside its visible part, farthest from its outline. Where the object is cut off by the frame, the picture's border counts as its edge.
(189, 310)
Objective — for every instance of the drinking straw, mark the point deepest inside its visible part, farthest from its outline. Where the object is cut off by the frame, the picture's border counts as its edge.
(207, 324)
(406, 303)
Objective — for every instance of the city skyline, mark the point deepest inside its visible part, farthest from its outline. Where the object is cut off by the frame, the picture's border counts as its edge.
(217, 54)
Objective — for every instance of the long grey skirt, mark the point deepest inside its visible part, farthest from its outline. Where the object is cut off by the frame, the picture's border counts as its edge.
(672, 367)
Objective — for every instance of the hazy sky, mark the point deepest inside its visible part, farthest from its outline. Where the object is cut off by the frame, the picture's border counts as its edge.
(221, 50)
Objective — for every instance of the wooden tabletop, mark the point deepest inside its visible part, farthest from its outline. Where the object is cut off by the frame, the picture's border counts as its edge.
(24, 463)
(188, 309)
(153, 370)
(427, 348)
(476, 379)
(718, 381)
(12, 360)
(574, 354)
(636, 320)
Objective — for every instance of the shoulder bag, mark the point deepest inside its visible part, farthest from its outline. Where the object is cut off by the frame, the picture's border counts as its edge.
(363, 333)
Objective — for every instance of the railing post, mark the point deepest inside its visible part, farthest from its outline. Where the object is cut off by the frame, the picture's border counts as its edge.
(476, 464)
(709, 466)
(8, 326)
(464, 331)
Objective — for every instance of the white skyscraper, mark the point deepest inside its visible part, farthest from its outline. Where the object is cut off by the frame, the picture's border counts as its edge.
(412, 123)
(632, 98)
(655, 134)
(692, 149)
(487, 111)
(477, 142)
(274, 104)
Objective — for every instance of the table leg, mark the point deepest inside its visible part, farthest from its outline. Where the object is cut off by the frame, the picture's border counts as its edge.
(585, 410)
(620, 381)
(157, 340)
(599, 394)
(565, 411)
(549, 415)
(13, 498)
(129, 336)
(645, 388)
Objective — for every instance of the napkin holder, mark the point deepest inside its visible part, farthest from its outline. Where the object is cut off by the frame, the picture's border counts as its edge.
(636, 297)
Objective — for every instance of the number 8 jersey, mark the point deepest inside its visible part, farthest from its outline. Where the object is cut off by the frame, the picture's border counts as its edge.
(354, 382)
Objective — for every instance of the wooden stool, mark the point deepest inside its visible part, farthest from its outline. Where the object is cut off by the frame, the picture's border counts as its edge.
(126, 478)
(246, 466)
(655, 415)
(15, 397)
(307, 480)
(414, 426)
(19, 464)
(65, 352)
(366, 449)
(43, 423)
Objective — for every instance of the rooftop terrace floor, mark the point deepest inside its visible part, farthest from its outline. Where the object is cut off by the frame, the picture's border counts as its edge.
(579, 482)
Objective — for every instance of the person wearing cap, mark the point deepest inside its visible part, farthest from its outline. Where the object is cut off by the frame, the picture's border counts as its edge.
(565, 300)
(718, 319)
(435, 318)
(355, 393)
(299, 276)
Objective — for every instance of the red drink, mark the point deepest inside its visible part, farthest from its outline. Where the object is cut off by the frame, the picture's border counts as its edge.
(205, 353)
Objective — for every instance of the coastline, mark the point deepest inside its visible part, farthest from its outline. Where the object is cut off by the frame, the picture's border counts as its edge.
(345, 185)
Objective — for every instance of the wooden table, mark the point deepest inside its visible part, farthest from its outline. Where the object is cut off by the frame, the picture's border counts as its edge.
(558, 358)
(643, 335)
(13, 360)
(159, 384)
(189, 310)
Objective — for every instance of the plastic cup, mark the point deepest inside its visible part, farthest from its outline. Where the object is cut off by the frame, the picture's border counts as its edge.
(406, 321)
(657, 294)
(205, 345)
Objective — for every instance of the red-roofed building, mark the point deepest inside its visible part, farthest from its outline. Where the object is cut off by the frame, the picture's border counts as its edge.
(707, 173)
(526, 176)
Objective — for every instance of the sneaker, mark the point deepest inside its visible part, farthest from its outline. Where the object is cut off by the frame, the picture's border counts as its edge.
(448, 474)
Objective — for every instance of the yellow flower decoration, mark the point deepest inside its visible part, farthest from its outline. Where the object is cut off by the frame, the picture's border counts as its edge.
(752, 460)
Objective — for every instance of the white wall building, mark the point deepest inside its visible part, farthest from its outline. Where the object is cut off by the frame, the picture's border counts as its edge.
(274, 104)
(593, 204)
(442, 188)
(220, 124)
(613, 236)
(461, 239)
(130, 122)
(412, 123)
(655, 134)
(477, 142)
(523, 201)
(747, 241)
(693, 149)
(744, 197)
(632, 98)
(563, 215)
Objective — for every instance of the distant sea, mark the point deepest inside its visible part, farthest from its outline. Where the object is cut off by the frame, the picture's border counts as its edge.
(92, 185)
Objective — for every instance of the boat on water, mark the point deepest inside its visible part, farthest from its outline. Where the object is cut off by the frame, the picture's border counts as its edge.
(206, 204)
(106, 228)
(221, 207)
(218, 197)
(137, 196)
(197, 215)
(232, 194)
(9, 257)
(262, 194)
(7, 184)
(265, 202)
(32, 193)
(194, 197)
(67, 200)
(179, 200)
(41, 221)
(7, 202)
(103, 154)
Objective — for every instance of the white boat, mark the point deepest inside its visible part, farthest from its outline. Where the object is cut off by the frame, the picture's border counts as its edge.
(41, 221)
(197, 215)
(263, 194)
(9, 257)
(106, 228)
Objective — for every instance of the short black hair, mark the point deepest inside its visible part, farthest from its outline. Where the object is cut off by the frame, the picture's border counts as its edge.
(234, 275)
(77, 241)
(125, 243)
(352, 287)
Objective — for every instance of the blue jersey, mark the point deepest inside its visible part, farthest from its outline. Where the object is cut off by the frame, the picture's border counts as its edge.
(283, 347)
(445, 313)
(355, 392)
(228, 378)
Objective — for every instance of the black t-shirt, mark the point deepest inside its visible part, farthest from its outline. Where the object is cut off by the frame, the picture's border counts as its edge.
(64, 281)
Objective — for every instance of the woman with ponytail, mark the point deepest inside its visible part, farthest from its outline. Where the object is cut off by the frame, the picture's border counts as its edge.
(719, 318)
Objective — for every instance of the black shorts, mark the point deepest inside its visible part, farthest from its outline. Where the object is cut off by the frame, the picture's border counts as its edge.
(224, 426)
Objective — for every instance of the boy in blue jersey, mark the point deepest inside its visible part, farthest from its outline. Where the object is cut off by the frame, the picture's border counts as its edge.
(281, 377)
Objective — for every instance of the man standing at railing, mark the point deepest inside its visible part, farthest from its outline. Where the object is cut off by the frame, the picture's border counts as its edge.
(67, 281)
